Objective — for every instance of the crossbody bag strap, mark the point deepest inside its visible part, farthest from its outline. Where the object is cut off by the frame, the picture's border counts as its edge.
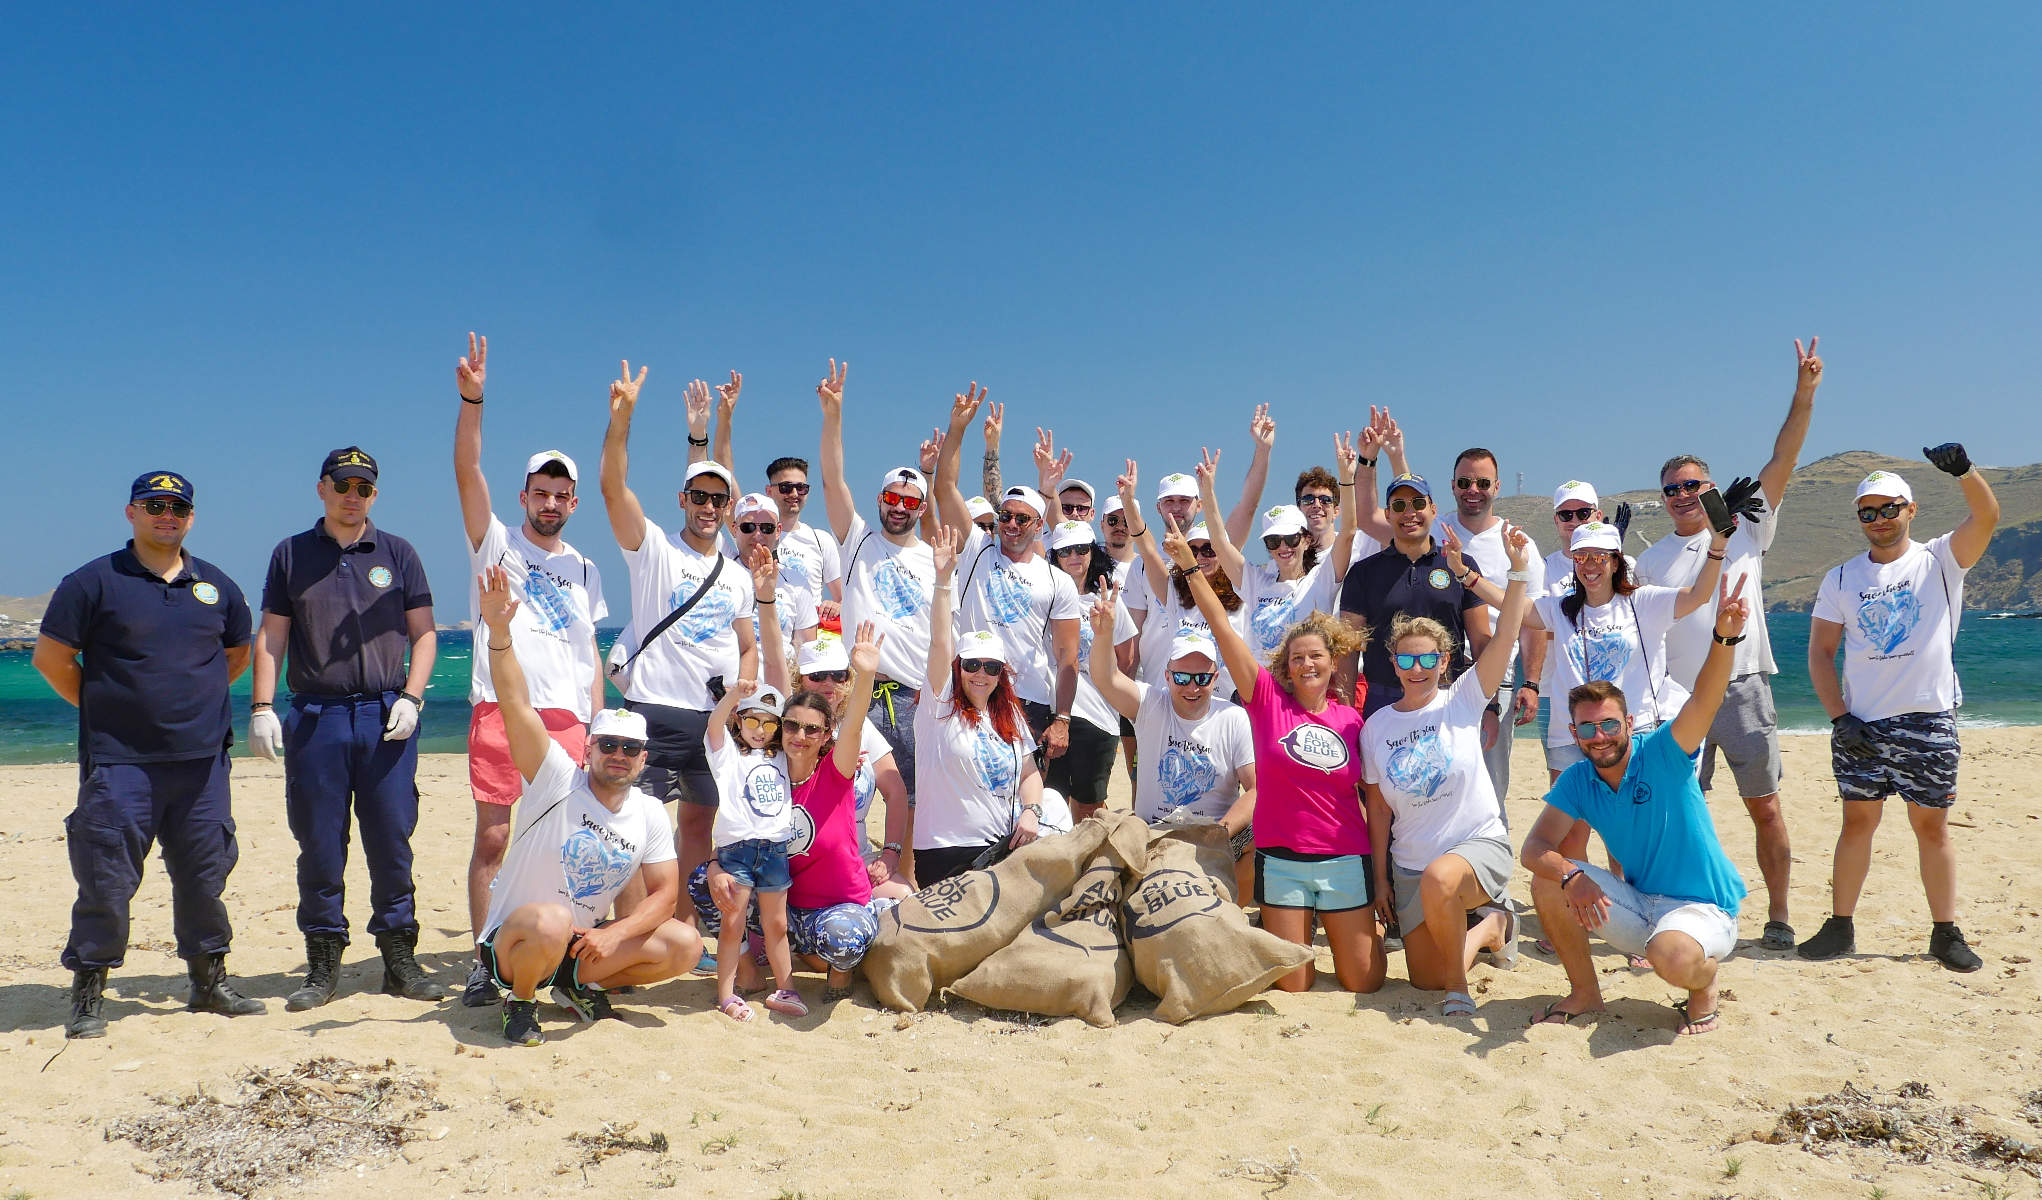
(679, 612)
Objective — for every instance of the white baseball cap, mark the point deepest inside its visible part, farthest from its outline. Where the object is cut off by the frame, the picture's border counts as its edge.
(901, 475)
(1029, 496)
(1177, 485)
(978, 507)
(1185, 645)
(1198, 533)
(618, 723)
(981, 644)
(1284, 518)
(1081, 485)
(1111, 506)
(1070, 533)
(756, 502)
(766, 700)
(1574, 489)
(825, 653)
(1886, 483)
(1596, 535)
(709, 467)
(543, 457)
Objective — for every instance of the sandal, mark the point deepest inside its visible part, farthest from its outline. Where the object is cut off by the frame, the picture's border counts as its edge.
(735, 1008)
(787, 1002)
(1504, 957)
(1695, 1026)
(1458, 1004)
(1554, 1010)
(1778, 936)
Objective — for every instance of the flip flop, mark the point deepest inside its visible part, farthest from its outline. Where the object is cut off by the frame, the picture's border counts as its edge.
(1554, 1010)
(1458, 1004)
(1778, 936)
(736, 1009)
(1695, 1026)
(787, 1002)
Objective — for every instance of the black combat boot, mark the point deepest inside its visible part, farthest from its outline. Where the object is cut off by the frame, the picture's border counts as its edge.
(87, 997)
(322, 976)
(210, 991)
(402, 976)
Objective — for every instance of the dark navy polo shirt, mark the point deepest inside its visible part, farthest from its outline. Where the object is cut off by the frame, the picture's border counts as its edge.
(154, 656)
(347, 606)
(1388, 583)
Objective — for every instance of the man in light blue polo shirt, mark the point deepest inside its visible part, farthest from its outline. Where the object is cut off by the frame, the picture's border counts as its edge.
(1678, 899)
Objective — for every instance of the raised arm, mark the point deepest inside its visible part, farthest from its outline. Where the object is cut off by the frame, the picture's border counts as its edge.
(1779, 469)
(1050, 467)
(1692, 723)
(1113, 684)
(1231, 560)
(989, 467)
(1484, 588)
(1155, 568)
(1234, 648)
(1495, 661)
(1372, 443)
(627, 516)
(949, 501)
(1697, 593)
(765, 593)
(942, 636)
(468, 478)
(1241, 522)
(523, 729)
(928, 458)
(1969, 540)
(836, 489)
(698, 407)
(864, 667)
(1346, 455)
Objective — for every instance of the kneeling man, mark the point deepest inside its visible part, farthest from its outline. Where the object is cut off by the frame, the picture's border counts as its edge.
(1677, 901)
(581, 836)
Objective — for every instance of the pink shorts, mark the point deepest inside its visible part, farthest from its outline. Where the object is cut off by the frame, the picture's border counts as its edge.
(492, 775)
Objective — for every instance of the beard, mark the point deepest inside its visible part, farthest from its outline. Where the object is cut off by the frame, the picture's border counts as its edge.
(896, 522)
(621, 779)
(546, 524)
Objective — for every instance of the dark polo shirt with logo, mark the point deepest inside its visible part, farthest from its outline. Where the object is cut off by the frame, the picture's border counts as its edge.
(1386, 584)
(154, 655)
(347, 606)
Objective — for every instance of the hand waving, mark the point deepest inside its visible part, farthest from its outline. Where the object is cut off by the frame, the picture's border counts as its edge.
(765, 571)
(944, 547)
(865, 651)
(699, 408)
(497, 605)
(1743, 498)
(1516, 545)
(468, 376)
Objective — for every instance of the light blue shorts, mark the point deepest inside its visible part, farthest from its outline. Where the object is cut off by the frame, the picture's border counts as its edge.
(1337, 884)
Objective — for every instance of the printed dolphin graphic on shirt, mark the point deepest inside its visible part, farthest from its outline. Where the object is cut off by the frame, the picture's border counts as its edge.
(1600, 652)
(592, 867)
(1887, 618)
(794, 571)
(550, 607)
(1085, 636)
(899, 593)
(1007, 596)
(1272, 620)
(863, 786)
(1185, 775)
(1419, 766)
(710, 617)
(765, 790)
(995, 759)
(1317, 747)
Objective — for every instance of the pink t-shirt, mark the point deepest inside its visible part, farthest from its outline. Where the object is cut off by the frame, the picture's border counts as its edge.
(1307, 773)
(825, 855)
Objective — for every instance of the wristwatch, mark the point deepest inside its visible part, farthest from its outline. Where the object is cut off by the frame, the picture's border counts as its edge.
(893, 846)
(1033, 808)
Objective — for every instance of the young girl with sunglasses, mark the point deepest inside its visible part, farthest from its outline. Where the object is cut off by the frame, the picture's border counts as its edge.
(753, 827)
(974, 756)
(1080, 774)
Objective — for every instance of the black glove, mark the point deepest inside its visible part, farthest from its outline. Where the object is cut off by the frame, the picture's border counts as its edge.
(1743, 498)
(1853, 737)
(1623, 521)
(1948, 458)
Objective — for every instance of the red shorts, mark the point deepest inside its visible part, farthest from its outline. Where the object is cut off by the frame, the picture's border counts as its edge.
(492, 775)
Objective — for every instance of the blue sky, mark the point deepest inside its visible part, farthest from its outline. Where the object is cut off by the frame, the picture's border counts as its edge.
(1583, 238)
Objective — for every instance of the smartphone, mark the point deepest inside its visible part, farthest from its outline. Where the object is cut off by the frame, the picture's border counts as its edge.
(1719, 512)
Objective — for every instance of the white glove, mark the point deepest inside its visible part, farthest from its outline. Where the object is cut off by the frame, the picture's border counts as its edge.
(265, 734)
(403, 720)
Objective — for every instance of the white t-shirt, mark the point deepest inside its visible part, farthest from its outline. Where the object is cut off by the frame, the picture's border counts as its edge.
(1270, 606)
(1899, 627)
(560, 599)
(809, 558)
(1429, 765)
(1623, 642)
(1674, 561)
(872, 746)
(675, 669)
(966, 778)
(1185, 767)
(569, 849)
(1486, 551)
(757, 802)
(1017, 601)
(1088, 704)
(891, 586)
(795, 605)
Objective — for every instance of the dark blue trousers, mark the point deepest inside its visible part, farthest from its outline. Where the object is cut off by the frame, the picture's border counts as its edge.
(123, 808)
(336, 762)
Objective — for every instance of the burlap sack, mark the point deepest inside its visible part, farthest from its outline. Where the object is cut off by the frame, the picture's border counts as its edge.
(1191, 945)
(1070, 961)
(936, 936)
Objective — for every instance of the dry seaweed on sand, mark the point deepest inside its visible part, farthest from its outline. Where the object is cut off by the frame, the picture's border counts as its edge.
(1905, 1125)
(611, 1139)
(285, 1126)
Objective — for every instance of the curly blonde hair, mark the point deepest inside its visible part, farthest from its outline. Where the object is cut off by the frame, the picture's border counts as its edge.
(1441, 637)
(1340, 639)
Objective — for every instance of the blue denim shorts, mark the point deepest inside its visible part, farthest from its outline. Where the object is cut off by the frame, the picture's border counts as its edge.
(1337, 884)
(758, 864)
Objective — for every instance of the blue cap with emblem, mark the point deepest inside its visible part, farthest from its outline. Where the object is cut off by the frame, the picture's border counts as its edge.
(349, 462)
(160, 483)
(1415, 482)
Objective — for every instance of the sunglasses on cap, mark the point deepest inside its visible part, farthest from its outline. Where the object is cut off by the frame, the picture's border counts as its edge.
(1690, 486)
(1410, 504)
(1568, 516)
(761, 720)
(791, 489)
(158, 506)
(804, 728)
(766, 527)
(1317, 500)
(1426, 661)
(1465, 483)
(360, 487)
(826, 676)
(1009, 517)
(1272, 541)
(1866, 515)
(1073, 551)
(630, 747)
(1080, 509)
(1191, 678)
(910, 503)
(712, 499)
(980, 666)
(1607, 727)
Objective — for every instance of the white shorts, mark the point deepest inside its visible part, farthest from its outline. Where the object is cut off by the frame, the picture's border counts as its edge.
(1636, 917)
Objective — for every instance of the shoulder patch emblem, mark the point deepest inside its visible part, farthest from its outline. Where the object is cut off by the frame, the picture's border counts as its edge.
(380, 576)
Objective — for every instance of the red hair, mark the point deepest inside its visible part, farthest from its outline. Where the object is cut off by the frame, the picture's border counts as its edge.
(1003, 706)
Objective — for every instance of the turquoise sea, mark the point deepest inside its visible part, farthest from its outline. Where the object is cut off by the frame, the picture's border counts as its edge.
(1999, 661)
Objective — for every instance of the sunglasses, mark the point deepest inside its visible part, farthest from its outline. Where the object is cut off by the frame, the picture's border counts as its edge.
(1568, 516)
(360, 487)
(176, 508)
(629, 747)
(1607, 727)
(980, 666)
(1317, 500)
(766, 527)
(1204, 550)
(1690, 486)
(1191, 678)
(827, 676)
(1272, 541)
(1427, 660)
(1590, 557)
(1479, 485)
(985, 525)
(791, 489)
(759, 720)
(1116, 521)
(804, 728)
(1075, 511)
(1866, 515)
(910, 503)
(712, 499)
(1414, 504)
(1005, 517)
(1072, 551)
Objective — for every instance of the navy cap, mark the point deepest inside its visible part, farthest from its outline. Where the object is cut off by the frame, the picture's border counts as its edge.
(349, 462)
(1415, 482)
(160, 483)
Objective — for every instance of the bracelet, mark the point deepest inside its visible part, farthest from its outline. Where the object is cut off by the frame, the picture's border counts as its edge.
(1529, 685)
(1715, 557)
(418, 700)
(466, 400)
(1370, 463)
(756, 600)
(1033, 808)
(1468, 579)
(943, 587)
(1143, 532)
(1729, 641)
(1064, 717)
(259, 705)
(695, 441)
(894, 847)
(1517, 576)
(1569, 877)
(497, 648)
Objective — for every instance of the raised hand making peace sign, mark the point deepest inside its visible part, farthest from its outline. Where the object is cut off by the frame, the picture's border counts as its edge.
(468, 376)
(624, 389)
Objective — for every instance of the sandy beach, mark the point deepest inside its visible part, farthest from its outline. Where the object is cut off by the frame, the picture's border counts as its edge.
(1316, 1094)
